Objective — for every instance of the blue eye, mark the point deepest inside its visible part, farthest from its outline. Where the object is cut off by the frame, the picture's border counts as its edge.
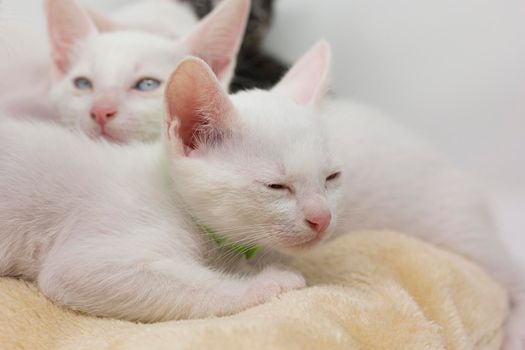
(82, 83)
(147, 84)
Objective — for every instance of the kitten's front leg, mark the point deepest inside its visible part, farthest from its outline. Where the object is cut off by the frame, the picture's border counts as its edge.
(142, 286)
(270, 282)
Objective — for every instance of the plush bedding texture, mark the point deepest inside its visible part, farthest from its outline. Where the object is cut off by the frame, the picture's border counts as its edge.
(372, 290)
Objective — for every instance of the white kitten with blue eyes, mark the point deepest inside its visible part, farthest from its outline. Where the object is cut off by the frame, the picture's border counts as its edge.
(108, 74)
(110, 83)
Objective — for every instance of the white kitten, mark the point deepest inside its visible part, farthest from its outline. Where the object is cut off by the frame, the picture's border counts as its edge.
(108, 74)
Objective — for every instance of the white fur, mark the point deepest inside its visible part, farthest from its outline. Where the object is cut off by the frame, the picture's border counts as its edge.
(168, 17)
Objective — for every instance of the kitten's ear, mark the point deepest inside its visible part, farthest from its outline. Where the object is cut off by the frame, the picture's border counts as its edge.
(217, 38)
(67, 24)
(307, 80)
(103, 23)
(199, 112)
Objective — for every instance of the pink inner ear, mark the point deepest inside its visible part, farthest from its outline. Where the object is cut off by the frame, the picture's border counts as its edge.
(190, 118)
(218, 37)
(67, 24)
(196, 101)
(306, 81)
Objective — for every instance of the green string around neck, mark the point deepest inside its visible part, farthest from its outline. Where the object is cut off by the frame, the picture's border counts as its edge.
(249, 251)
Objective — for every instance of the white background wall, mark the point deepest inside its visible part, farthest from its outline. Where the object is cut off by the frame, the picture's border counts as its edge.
(452, 69)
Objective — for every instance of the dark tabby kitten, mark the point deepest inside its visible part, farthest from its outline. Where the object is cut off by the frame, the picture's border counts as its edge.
(255, 68)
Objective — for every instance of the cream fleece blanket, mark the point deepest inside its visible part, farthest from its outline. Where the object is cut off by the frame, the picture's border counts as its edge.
(375, 290)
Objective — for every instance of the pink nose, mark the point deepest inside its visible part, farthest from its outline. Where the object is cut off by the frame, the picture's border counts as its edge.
(319, 221)
(101, 112)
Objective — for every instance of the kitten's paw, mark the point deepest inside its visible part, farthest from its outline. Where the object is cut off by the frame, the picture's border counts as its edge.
(515, 331)
(272, 282)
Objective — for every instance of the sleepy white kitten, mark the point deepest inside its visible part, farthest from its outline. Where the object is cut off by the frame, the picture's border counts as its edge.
(108, 74)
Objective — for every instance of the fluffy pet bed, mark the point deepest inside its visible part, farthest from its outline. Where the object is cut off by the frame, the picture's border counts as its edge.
(374, 290)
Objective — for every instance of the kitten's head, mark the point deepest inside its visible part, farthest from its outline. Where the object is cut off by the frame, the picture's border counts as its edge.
(109, 82)
(255, 167)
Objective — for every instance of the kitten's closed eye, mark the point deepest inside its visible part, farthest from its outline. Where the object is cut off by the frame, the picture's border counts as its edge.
(83, 83)
(333, 176)
(147, 84)
(279, 187)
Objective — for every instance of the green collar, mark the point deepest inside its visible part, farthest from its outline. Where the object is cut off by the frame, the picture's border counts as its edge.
(248, 251)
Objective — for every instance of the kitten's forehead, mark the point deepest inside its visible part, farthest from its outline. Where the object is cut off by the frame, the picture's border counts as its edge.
(115, 55)
(284, 131)
(271, 116)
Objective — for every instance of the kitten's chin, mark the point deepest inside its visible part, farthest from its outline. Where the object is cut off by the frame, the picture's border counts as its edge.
(297, 246)
(111, 138)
